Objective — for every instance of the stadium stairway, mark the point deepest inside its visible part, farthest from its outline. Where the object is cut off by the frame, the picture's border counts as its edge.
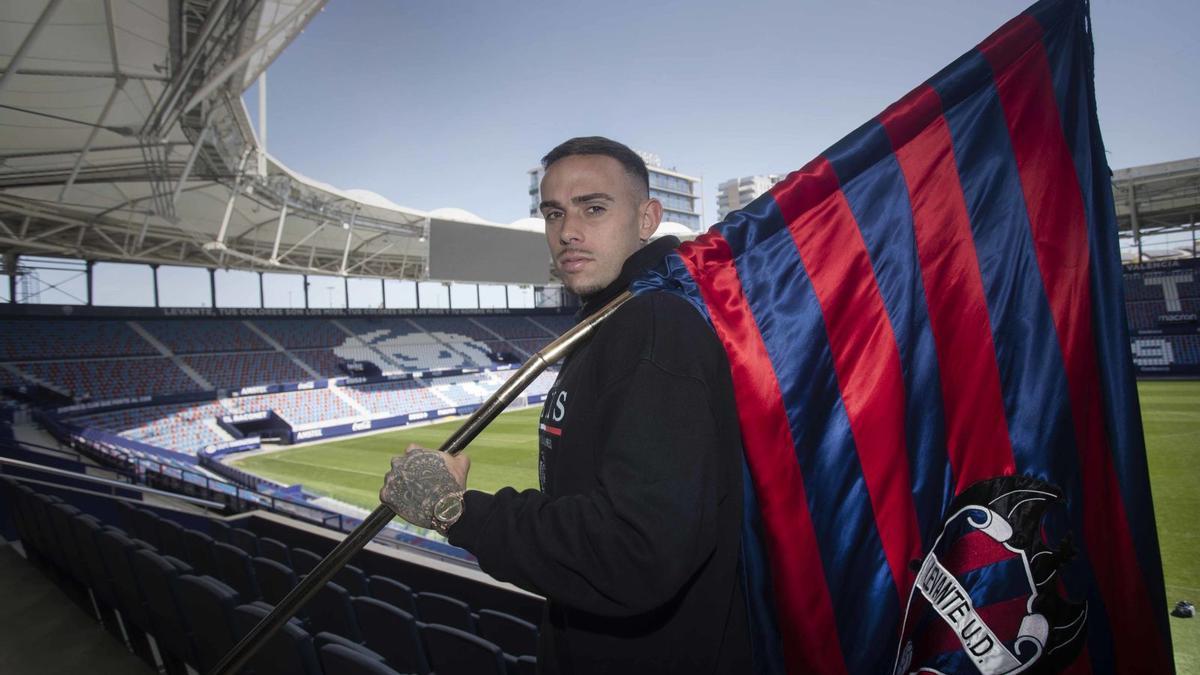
(165, 351)
(42, 631)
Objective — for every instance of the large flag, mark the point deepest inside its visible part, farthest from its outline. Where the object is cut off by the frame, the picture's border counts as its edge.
(925, 328)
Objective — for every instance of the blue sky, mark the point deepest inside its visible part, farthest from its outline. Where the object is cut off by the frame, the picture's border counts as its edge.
(436, 104)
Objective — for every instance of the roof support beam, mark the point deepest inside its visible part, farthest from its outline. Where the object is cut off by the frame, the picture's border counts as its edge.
(14, 64)
(240, 60)
(191, 162)
(368, 259)
(118, 85)
(233, 195)
(349, 239)
(279, 233)
(303, 239)
(112, 36)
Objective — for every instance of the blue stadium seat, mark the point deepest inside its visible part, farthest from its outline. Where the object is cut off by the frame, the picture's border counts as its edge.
(304, 560)
(209, 605)
(393, 633)
(392, 592)
(244, 539)
(455, 652)
(290, 651)
(199, 549)
(170, 537)
(352, 579)
(330, 610)
(445, 610)
(236, 570)
(275, 579)
(346, 661)
(515, 636)
(275, 550)
(171, 628)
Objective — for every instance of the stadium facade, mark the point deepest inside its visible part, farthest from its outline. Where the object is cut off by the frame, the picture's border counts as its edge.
(736, 193)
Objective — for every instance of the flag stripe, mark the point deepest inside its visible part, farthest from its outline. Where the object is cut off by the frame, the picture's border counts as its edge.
(1056, 213)
(976, 430)
(781, 297)
(802, 596)
(874, 187)
(866, 361)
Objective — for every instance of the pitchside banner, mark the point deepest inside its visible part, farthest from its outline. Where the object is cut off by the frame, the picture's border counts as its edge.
(945, 468)
(1162, 302)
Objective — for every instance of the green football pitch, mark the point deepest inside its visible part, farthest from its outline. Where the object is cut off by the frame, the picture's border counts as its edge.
(506, 454)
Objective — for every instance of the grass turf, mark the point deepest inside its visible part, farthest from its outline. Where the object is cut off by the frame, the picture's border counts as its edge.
(506, 454)
(1171, 420)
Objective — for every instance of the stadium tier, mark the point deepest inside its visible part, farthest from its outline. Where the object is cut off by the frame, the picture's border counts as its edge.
(324, 361)
(188, 336)
(516, 327)
(300, 333)
(36, 339)
(231, 371)
(111, 378)
(297, 407)
(396, 397)
(184, 427)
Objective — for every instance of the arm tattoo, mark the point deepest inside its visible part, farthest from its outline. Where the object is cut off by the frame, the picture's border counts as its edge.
(416, 482)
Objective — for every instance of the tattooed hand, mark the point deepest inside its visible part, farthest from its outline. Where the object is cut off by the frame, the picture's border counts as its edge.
(418, 479)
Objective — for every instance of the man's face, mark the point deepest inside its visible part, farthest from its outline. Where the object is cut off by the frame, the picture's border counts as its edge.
(596, 217)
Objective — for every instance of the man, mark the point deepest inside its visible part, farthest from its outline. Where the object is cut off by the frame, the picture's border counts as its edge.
(634, 537)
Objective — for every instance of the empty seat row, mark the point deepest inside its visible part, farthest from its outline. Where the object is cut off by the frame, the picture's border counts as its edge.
(143, 578)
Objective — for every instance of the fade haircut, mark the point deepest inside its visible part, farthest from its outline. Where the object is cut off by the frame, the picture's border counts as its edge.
(633, 164)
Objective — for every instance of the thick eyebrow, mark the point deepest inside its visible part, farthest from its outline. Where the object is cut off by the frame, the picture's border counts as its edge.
(553, 204)
(592, 197)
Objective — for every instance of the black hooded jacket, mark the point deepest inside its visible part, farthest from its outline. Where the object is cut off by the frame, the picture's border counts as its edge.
(634, 537)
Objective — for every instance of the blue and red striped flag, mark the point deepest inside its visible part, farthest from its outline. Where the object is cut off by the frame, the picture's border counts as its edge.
(944, 455)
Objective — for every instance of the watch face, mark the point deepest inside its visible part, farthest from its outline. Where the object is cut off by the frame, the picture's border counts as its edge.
(448, 509)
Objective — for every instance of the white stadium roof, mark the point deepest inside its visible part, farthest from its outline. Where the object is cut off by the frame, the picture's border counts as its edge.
(123, 137)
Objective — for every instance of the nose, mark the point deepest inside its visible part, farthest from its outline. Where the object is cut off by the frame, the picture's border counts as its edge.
(572, 231)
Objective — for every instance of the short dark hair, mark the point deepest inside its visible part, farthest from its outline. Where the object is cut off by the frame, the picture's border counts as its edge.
(634, 165)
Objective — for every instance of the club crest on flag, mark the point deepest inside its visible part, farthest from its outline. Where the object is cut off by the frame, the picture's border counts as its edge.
(987, 594)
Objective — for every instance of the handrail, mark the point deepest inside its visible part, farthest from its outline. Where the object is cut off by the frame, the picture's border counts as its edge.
(112, 483)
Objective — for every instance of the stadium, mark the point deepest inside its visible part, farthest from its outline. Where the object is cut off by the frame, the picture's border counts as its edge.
(207, 360)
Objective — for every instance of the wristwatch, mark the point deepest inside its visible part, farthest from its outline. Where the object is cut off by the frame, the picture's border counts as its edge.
(446, 511)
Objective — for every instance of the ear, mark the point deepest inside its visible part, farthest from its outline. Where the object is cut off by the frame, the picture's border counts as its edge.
(649, 218)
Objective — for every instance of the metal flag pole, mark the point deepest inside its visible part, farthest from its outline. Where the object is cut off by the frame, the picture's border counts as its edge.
(382, 515)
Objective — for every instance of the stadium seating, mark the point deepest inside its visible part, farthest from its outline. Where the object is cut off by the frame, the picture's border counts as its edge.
(514, 327)
(112, 378)
(302, 333)
(231, 371)
(177, 426)
(325, 361)
(45, 339)
(195, 618)
(190, 336)
(395, 398)
(297, 407)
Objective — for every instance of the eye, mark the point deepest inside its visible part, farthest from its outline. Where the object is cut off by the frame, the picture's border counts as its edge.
(552, 215)
(595, 210)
